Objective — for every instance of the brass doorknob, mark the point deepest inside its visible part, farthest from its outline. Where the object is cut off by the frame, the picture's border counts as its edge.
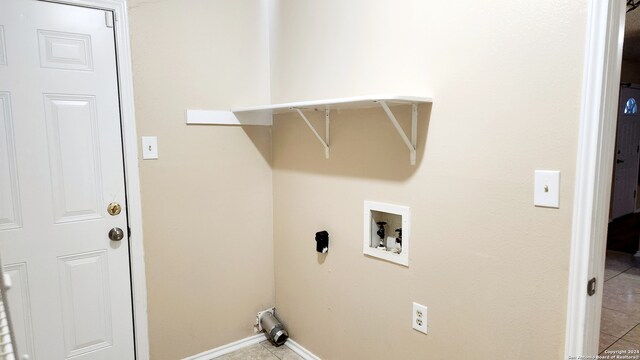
(116, 234)
(114, 208)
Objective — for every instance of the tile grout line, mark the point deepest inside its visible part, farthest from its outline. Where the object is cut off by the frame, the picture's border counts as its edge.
(620, 271)
(287, 351)
(272, 353)
(605, 349)
(616, 275)
(616, 310)
(621, 338)
(631, 267)
(625, 334)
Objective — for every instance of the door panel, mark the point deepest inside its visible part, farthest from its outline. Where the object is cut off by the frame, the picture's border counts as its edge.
(20, 304)
(3, 51)
(74, 156)
(61, 164)
(60, 50)
(86, 304)
(9, 197)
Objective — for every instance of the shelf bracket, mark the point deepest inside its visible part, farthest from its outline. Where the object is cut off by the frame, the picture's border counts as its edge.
(324, 142)
(411, 143)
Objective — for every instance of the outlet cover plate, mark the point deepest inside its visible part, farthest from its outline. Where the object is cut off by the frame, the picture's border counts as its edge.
(419, 318)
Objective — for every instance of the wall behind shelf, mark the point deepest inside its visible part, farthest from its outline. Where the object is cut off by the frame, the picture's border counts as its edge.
(333, 49)
(506, 80)
(207, 205)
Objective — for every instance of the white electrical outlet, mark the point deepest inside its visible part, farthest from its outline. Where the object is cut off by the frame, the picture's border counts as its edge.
(419, 318)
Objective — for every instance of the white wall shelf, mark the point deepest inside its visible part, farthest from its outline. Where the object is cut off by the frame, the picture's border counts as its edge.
(263, 115)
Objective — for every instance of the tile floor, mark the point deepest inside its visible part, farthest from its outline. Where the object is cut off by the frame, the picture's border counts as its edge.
(262, 351)
(620, 320)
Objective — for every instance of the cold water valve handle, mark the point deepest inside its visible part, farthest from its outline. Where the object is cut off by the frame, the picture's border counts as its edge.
(380, 232)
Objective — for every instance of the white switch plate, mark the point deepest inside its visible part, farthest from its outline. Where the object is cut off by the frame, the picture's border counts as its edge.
(149, 147)
(546, 190)
(419, 317)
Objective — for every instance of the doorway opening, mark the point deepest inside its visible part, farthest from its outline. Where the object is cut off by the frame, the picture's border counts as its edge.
(620, 312)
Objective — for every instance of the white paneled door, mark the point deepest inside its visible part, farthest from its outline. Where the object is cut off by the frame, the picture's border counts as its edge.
(61, 166)
(625, 173)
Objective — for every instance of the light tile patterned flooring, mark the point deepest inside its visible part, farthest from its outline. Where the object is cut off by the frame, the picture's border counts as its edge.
(620, 320)
(262, 351)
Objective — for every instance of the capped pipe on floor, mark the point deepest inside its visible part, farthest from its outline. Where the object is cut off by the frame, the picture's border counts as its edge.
(273, 328)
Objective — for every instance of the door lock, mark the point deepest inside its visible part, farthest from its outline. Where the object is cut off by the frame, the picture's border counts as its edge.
(116, 234)
(114, 208)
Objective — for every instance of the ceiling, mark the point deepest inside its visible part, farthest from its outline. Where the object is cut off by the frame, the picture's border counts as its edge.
(631, 49)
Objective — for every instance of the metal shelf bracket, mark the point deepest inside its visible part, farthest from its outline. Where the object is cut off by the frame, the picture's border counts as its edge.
(411, 143)
(324, 142)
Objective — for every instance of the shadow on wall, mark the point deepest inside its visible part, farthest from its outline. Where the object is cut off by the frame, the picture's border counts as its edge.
(363, 143)
(263, 144)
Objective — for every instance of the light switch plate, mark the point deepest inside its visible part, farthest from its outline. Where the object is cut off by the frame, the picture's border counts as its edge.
(546, 192)
(149, 147)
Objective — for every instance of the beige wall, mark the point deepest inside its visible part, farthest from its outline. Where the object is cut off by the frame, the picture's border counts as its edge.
(492, 268)
(330, 49)
(207, 202)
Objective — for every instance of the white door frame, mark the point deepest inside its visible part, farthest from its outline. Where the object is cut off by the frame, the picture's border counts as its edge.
(596, 142)
(130, 148)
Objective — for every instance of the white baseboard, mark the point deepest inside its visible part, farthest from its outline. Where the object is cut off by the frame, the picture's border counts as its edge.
(251, 340)
(225, 349)
(298, 349)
